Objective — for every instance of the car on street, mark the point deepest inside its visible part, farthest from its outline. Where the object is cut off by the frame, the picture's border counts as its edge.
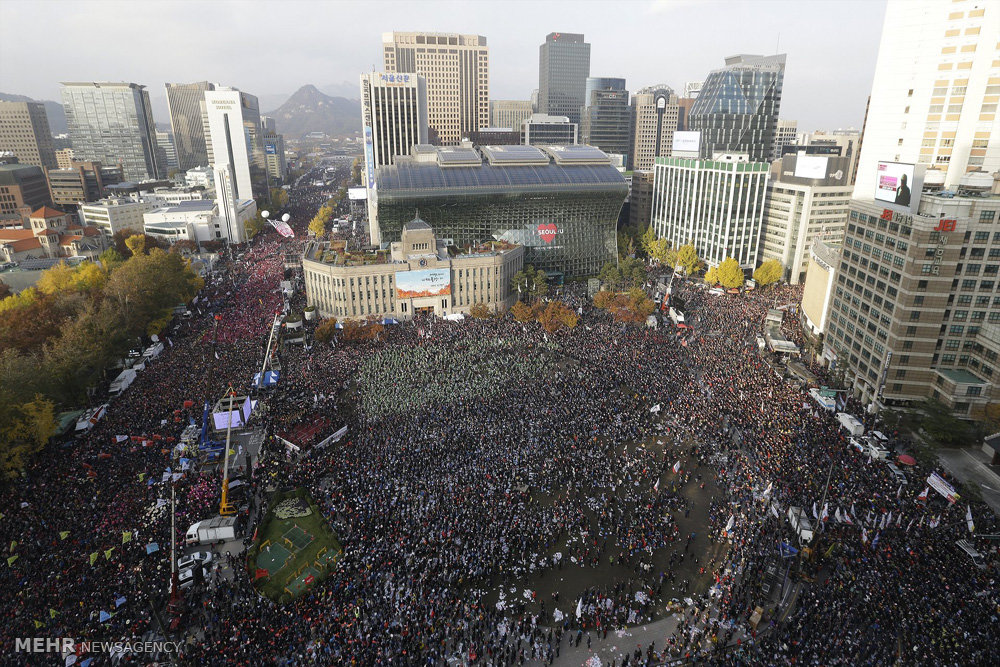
(202, 558)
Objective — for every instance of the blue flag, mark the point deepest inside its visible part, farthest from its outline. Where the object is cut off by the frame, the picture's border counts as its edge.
(105, 616)
(120, 601)
(151, 547)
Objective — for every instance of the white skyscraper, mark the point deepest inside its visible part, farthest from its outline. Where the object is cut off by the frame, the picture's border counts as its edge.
(716, 205)
(935, 93)
(394, 117)
(239, 164)
(237, 140)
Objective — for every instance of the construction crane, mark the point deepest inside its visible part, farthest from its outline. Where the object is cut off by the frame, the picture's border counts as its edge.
(225, 507)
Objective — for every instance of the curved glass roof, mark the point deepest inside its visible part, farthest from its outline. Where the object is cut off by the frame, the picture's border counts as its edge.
(490, 178)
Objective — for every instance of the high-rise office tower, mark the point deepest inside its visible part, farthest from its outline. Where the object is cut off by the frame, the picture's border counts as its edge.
(509, 113)
(456, 69)
(112, 123)
(168, 151)
(737, 108)
(185, 101)
(563, 68)
(606, 117)
(393, 117)
(935, 92)
(654, 120)
(274, 150)
(24, 131)
(785, 134)
(807, 199)
(237, 139)
(914, 310)
(715, 205)
(240, 166)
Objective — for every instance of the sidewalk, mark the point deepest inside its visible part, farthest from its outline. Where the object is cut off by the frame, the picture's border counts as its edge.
(968, 464)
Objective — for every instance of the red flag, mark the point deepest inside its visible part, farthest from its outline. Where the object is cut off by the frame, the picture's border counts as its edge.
(261, 572)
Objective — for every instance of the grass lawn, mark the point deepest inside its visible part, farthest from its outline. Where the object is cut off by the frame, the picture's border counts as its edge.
(294, 549)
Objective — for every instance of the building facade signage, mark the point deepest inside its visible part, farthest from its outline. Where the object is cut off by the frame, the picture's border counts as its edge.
(945, 226)
(893, 216)
(548, 231)
(395, 79)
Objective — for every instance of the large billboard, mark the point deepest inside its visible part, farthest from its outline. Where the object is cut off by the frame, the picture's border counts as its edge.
(895, 184)
(370, 157)
(687, 142)
(811, 166)
(425, 282)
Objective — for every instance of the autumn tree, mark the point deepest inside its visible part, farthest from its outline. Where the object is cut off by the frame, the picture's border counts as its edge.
(729, 273)
(555, 316)
(480, 311)
(326, 331)
(279, 198)
(769, 272)
(24, 429)
(521, 312)
(604, 299)
(712, 275)
(254, 225)
(688, 260)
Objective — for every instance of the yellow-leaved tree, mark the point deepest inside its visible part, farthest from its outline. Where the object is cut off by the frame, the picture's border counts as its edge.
(768, 272)
(729, 273)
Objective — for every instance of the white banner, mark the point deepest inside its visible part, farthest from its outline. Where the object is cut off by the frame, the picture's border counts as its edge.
(944, 488)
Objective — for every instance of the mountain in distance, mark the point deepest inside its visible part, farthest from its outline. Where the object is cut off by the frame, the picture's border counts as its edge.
(309, 110)
(54, 111)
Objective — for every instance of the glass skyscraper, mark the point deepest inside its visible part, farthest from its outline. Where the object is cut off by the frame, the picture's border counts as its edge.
(185, 101)
(737, 108)
(563, 68)
(112, 123)
(607, 116)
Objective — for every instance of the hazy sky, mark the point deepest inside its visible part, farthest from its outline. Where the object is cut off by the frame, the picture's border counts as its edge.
(267, 48)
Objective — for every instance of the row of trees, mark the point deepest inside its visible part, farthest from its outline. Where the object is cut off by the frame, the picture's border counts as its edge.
(57, 338)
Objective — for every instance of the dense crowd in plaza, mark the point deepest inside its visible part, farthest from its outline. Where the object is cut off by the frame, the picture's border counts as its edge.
(483, 455)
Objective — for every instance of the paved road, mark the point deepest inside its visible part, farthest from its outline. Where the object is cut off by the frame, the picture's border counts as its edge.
(969, 465)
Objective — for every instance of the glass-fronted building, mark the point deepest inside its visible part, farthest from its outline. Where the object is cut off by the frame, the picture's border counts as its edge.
(606, 121)
(563, 68)
(737, 108)
(112, 123)
(560, 202)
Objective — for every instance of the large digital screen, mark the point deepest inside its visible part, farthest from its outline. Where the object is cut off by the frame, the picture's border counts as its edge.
(425, 282)
(895, 183)
(811, 166)
(687, 142)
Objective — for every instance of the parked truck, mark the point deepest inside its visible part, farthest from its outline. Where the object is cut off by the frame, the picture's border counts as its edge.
(850, 423)
(209, 531)
(799, 519)
(121, 383)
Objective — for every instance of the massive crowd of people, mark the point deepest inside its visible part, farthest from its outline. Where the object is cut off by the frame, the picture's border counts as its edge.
(501, 495)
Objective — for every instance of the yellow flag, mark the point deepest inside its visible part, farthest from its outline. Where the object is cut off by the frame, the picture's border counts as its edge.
(63, 534)
(93, 557)
(38, 624)
(10, 561)
(126, 537)
(52, 613)
(107, 554)
(142, 476)
(13, 543)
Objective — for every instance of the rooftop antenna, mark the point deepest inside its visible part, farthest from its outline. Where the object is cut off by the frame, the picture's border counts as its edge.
(777, 46)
